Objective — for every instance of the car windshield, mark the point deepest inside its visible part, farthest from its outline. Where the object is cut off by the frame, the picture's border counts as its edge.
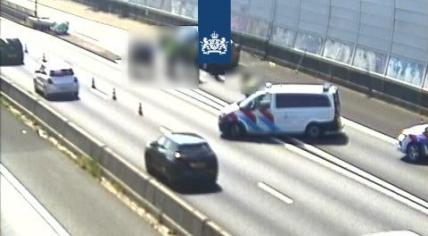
(62, 72)
(195, 148)
(247, 101)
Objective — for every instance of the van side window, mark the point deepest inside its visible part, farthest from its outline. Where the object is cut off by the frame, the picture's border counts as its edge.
(301, 100)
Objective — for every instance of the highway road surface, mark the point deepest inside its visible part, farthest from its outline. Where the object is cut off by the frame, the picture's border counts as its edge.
(265, 186)
(23, 209)
(44, 193)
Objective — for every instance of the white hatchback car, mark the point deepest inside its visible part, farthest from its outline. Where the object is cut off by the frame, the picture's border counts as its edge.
(56, 78)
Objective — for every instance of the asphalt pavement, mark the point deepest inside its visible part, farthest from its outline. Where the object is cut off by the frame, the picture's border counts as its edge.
(355, 145)
(264, 188)
(72, 196)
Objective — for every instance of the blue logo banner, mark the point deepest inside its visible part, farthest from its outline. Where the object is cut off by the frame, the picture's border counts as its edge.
(214, 31)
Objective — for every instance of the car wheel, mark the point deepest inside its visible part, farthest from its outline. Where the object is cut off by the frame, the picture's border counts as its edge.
(149, 166)
(171, 180)
(313, 131)
(150, 169)
(414, 152)
(35, 89)
(76, 95)
(46, 95)
(236, 131)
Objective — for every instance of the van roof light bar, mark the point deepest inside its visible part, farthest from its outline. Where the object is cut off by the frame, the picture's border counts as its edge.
(327, 86)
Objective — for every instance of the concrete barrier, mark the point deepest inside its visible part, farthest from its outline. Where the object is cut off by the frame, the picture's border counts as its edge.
(15, 9)
(15, 12)
(26, 17)
(157, 198)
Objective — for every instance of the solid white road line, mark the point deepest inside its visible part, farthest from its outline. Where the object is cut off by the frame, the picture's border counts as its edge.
(211, 97)
(336, 164)
(369, 131)
(192, 100)
(201, 98)
(57, 227)
(274, 192)
(356, 174)
(100, 93)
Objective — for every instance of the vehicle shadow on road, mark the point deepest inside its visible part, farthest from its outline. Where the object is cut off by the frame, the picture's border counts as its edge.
(191, 188)
(197, 189)
(62, 98)
(423, 162)
(252, 139)
(339, 139)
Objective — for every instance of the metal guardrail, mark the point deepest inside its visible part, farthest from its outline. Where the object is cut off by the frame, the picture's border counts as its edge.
(21, 9)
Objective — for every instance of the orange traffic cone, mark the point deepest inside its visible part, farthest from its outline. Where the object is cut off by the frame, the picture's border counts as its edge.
(114, 94)
(93, 83)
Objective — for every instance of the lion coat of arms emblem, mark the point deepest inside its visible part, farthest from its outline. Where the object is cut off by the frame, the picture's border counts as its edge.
(214, 45)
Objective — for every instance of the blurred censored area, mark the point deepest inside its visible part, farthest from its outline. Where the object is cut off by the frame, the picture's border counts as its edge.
(167, 59)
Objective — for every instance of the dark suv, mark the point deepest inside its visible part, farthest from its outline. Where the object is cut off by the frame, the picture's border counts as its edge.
(11, 52)
(182, 159)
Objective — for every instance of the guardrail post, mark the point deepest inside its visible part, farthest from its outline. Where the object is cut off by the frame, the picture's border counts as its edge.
(270, 30)
(35, 8)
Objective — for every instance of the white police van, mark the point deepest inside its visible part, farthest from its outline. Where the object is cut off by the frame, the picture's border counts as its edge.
(284, 109)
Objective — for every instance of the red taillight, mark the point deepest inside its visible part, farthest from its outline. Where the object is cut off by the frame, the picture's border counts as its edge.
(50, 81)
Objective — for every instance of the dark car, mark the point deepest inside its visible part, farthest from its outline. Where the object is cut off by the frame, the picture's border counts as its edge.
(182, 159)
(11, 51)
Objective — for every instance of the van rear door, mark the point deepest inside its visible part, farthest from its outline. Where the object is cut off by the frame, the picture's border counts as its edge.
(337, 108)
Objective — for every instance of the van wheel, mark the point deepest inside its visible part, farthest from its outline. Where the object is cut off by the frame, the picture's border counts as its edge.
(313, 131)
(414, 152)
(236, 131)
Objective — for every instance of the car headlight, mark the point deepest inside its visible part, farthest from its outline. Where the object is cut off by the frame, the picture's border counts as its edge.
(401, 137)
